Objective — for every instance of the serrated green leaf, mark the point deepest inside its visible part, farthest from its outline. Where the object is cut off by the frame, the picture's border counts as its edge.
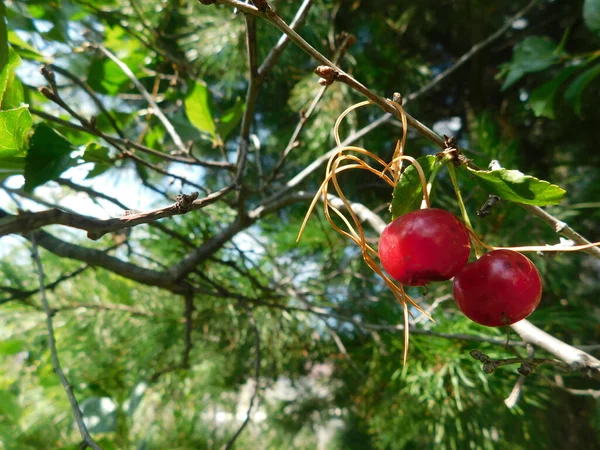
(515, 186)
(230, 118)
(198, 110)
(533, 54)
(408, 193)
(591, 15)
(574, 92)
(47, 158)
(14, 126)
(542, 99)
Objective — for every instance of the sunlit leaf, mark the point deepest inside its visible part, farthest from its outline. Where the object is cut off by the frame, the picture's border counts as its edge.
(198, 108)
(11, 346)
(517, 187)
(14, 126)
(11, 89)
(230, 119)
(408, 193)
(3, 37)
(23, 48)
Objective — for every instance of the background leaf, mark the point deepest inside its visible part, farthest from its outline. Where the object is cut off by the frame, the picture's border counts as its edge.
(515, 186)
(591, 15)
(542, 99)
(100, 156)
(574, 93)
(198, 108)
(48, 156)
(533, 54)
(230, 118)
(408, 193)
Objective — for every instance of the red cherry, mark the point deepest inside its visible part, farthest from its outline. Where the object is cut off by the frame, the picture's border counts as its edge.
(425, 245)
(500, 288)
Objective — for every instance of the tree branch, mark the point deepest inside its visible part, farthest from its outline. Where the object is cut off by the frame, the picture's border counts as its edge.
(284, 40)
(96, 228)
(88, 441)
(142, 90)
(257, 360)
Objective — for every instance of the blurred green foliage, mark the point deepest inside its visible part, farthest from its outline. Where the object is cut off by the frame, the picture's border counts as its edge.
(326, 380)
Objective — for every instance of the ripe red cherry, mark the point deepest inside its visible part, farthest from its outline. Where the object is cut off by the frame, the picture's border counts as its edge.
(500, 288)
(425, 245)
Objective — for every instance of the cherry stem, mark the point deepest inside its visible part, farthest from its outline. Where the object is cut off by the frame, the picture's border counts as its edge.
(434, 171)
(461, 204)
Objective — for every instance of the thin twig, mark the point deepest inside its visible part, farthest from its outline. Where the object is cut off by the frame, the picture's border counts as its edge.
(515, 394)
(257, 361)
(142, 90)
(189, 326)
(305, 115)
(88, 441)
(284, 40)
(474, 50)
(527, 365)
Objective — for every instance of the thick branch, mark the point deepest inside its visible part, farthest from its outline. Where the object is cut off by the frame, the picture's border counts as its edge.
(577, 359)
(96, 228)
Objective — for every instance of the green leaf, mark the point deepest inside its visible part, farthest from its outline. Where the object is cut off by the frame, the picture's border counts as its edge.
(230, 119)
(10, 86)
(96, 153)
(106, 77)
(14, 126)
(23, 48)
(9, 407)
(408, 193)
(533, 54)
(517, 187)
(100, 156)
(591, 15)
(542, 99)
(3, 37)
(11, 347)
(48, 156)
(574, 92)
(197, 108)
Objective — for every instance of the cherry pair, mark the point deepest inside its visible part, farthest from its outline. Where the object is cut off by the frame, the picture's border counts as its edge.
(500, 288)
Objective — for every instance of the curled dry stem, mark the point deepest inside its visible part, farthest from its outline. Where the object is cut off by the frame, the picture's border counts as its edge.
(390, 173)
